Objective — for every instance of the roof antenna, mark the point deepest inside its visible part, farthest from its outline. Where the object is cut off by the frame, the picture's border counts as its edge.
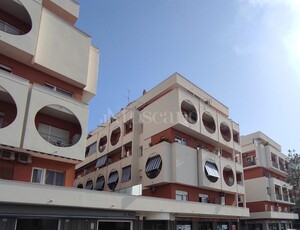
(128, 96)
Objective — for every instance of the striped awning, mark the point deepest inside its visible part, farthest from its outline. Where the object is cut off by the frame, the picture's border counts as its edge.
(211, 169)
(101, 161)
(113, 177)
(153, 163)
(100, 183)
(89, 185)
(126, 174)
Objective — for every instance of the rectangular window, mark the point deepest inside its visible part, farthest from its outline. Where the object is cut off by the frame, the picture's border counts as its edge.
(54, 178)
(272, 208)
(126, 174)
(37, 175)
(203, 198)
(181, 195)
(91, 149)
(59, 90)
(50, 177)
(5, 68)
(141, 150)
(180, 140)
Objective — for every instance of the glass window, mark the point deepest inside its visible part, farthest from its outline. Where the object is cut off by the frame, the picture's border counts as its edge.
(91, 149)
(50, 177)
(55, 178)
(37, 175)
(180, 140)
(181, 195)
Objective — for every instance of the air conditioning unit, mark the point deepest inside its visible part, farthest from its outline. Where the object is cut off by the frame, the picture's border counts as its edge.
(7, 155)
(24, 158)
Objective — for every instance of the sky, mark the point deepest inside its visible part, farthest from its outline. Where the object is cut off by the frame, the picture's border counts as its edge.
(245, 53)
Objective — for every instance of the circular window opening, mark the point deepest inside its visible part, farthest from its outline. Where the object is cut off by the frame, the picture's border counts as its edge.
(89, 184)
(58, 126)
(80, 185)
(225, 131)
(18, 21)
(100, 183)
(115, 136)
(153, 166)
(8, 108)
(209, 122)
(102, 144)
(189, 112)
(211, 171)
(113, 180)
(228, 176)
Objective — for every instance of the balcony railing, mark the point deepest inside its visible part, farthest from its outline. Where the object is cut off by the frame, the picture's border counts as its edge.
(274, 164)
(278, 196)
(6, 27)
(285, 197)
(57, 141)
(250, 163)
(282, 168)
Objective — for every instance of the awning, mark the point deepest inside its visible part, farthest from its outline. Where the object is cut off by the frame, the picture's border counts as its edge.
(126, 174)
(153, 163)
(113, 177)
(212, 169)
(101, 161)
(100, 183)
(89, 185)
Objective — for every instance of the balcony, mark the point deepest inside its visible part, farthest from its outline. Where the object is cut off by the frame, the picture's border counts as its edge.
(250, 162)
(285, 198)
(278, 196)
(58, 120)
(274, 164)
(13, 100)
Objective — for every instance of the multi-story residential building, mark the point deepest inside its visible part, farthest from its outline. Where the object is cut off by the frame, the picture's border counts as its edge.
(175, 142)
(268, 195)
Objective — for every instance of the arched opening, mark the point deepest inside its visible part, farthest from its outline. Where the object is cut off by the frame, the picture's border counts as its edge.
(209, 122)
(225, 131)
(115, 136)
(189, 111)
(8, 108)
(14, 18)
(58, 126)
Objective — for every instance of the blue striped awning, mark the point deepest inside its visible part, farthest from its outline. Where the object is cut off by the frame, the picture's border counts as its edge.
(211, 169)
(101, 161)
(113, 177)
(126, 174)
(153, 163)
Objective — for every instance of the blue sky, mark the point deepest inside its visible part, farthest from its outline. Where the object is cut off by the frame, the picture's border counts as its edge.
(245, 53)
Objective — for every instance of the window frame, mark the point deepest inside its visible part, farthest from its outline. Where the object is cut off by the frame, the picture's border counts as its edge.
(58, 89)
(44, 178)
(181, 140)
(206, 198)
(184, 196)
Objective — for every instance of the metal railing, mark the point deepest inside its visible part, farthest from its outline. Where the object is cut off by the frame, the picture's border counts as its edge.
(274, 164)
(6, 27)
(278, 196)
(57, 141)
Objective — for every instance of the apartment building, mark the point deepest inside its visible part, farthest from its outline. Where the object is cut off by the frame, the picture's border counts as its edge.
(175, 142)
(48, 74)
(268, 195)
